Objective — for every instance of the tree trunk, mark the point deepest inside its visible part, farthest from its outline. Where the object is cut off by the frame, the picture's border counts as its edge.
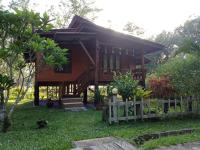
(3, 115)
(1, 105)
(6, 123)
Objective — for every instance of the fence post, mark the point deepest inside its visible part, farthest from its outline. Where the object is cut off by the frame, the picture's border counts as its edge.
(115, 108)
(142, 108)
(126, 109)
(149, 107)
(169, 103)
(135, 115)
(110, 111)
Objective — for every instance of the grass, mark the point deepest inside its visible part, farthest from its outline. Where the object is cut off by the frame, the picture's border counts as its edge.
(65, 127)
(171, 140)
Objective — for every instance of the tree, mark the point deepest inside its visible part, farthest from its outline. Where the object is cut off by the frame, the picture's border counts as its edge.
(133, 29)
(1, 5)
(174, 40)
(5, 84)
(19, 4)
(19, 43)
(65, 10)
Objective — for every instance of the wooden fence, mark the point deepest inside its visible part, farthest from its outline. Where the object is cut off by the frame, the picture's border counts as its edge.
(118, 110)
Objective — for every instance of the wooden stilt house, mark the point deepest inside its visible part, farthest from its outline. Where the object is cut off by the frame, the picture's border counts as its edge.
(94, 54)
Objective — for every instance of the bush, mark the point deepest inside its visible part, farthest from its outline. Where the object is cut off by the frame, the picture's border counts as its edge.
(161, 86)
(141, 93)
(181, 74)
(125, 85)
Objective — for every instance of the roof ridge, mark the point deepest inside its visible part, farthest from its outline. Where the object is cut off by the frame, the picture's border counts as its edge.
(85, 21)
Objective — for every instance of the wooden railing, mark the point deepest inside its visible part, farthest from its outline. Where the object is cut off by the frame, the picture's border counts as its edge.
(152, 108)
(137, 73)
(83, 81)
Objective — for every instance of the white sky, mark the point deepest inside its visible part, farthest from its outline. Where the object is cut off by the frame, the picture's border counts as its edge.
(152, 15)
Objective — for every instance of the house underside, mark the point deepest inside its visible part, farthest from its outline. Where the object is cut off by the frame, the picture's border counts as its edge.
(95, 54)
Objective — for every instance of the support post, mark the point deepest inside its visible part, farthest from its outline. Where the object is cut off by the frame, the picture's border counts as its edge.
(143, 69)
(85, 97)
(96, 76)
(114, 100)
(36, 94)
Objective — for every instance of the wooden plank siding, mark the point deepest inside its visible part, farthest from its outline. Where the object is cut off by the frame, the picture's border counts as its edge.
(80, 63)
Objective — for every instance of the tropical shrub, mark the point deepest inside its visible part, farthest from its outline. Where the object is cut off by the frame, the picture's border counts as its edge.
(160, 86)
(125, 85)
(140, 93)
(182, 76)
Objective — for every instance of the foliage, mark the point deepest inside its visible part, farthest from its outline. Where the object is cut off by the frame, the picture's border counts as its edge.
(1, 6)
(98, 97)
(141, 93)
(65, 10)
(184, 74)
(19, 43)
(19, 4)
(190, 47)
(173, 41)
(125, 85)
(133, 29)
(161, 86)
(5, 82)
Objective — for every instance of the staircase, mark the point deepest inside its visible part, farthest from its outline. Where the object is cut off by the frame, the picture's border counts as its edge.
(71, 98)
(73, 104)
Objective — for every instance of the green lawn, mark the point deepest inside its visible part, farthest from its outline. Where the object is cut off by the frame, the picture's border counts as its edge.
(65, 127)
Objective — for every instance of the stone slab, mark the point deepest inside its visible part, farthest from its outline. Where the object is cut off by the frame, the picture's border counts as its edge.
(107, 143)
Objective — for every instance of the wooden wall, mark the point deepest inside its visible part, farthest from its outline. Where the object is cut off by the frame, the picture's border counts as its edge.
(80, 63)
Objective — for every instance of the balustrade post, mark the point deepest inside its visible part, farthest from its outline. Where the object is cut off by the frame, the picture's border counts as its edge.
(114, 102)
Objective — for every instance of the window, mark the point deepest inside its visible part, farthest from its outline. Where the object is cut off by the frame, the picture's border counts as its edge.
(111, 62)
(117, 61)
(105, 62)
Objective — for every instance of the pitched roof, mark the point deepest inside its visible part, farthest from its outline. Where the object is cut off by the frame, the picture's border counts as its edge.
(82, 29)
(82, 24)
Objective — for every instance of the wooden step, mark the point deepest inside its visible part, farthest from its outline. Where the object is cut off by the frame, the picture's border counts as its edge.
(76, 99)
(71, 105)
(72, 102)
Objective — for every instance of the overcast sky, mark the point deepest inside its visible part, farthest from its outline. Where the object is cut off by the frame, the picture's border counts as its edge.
(152, 15)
